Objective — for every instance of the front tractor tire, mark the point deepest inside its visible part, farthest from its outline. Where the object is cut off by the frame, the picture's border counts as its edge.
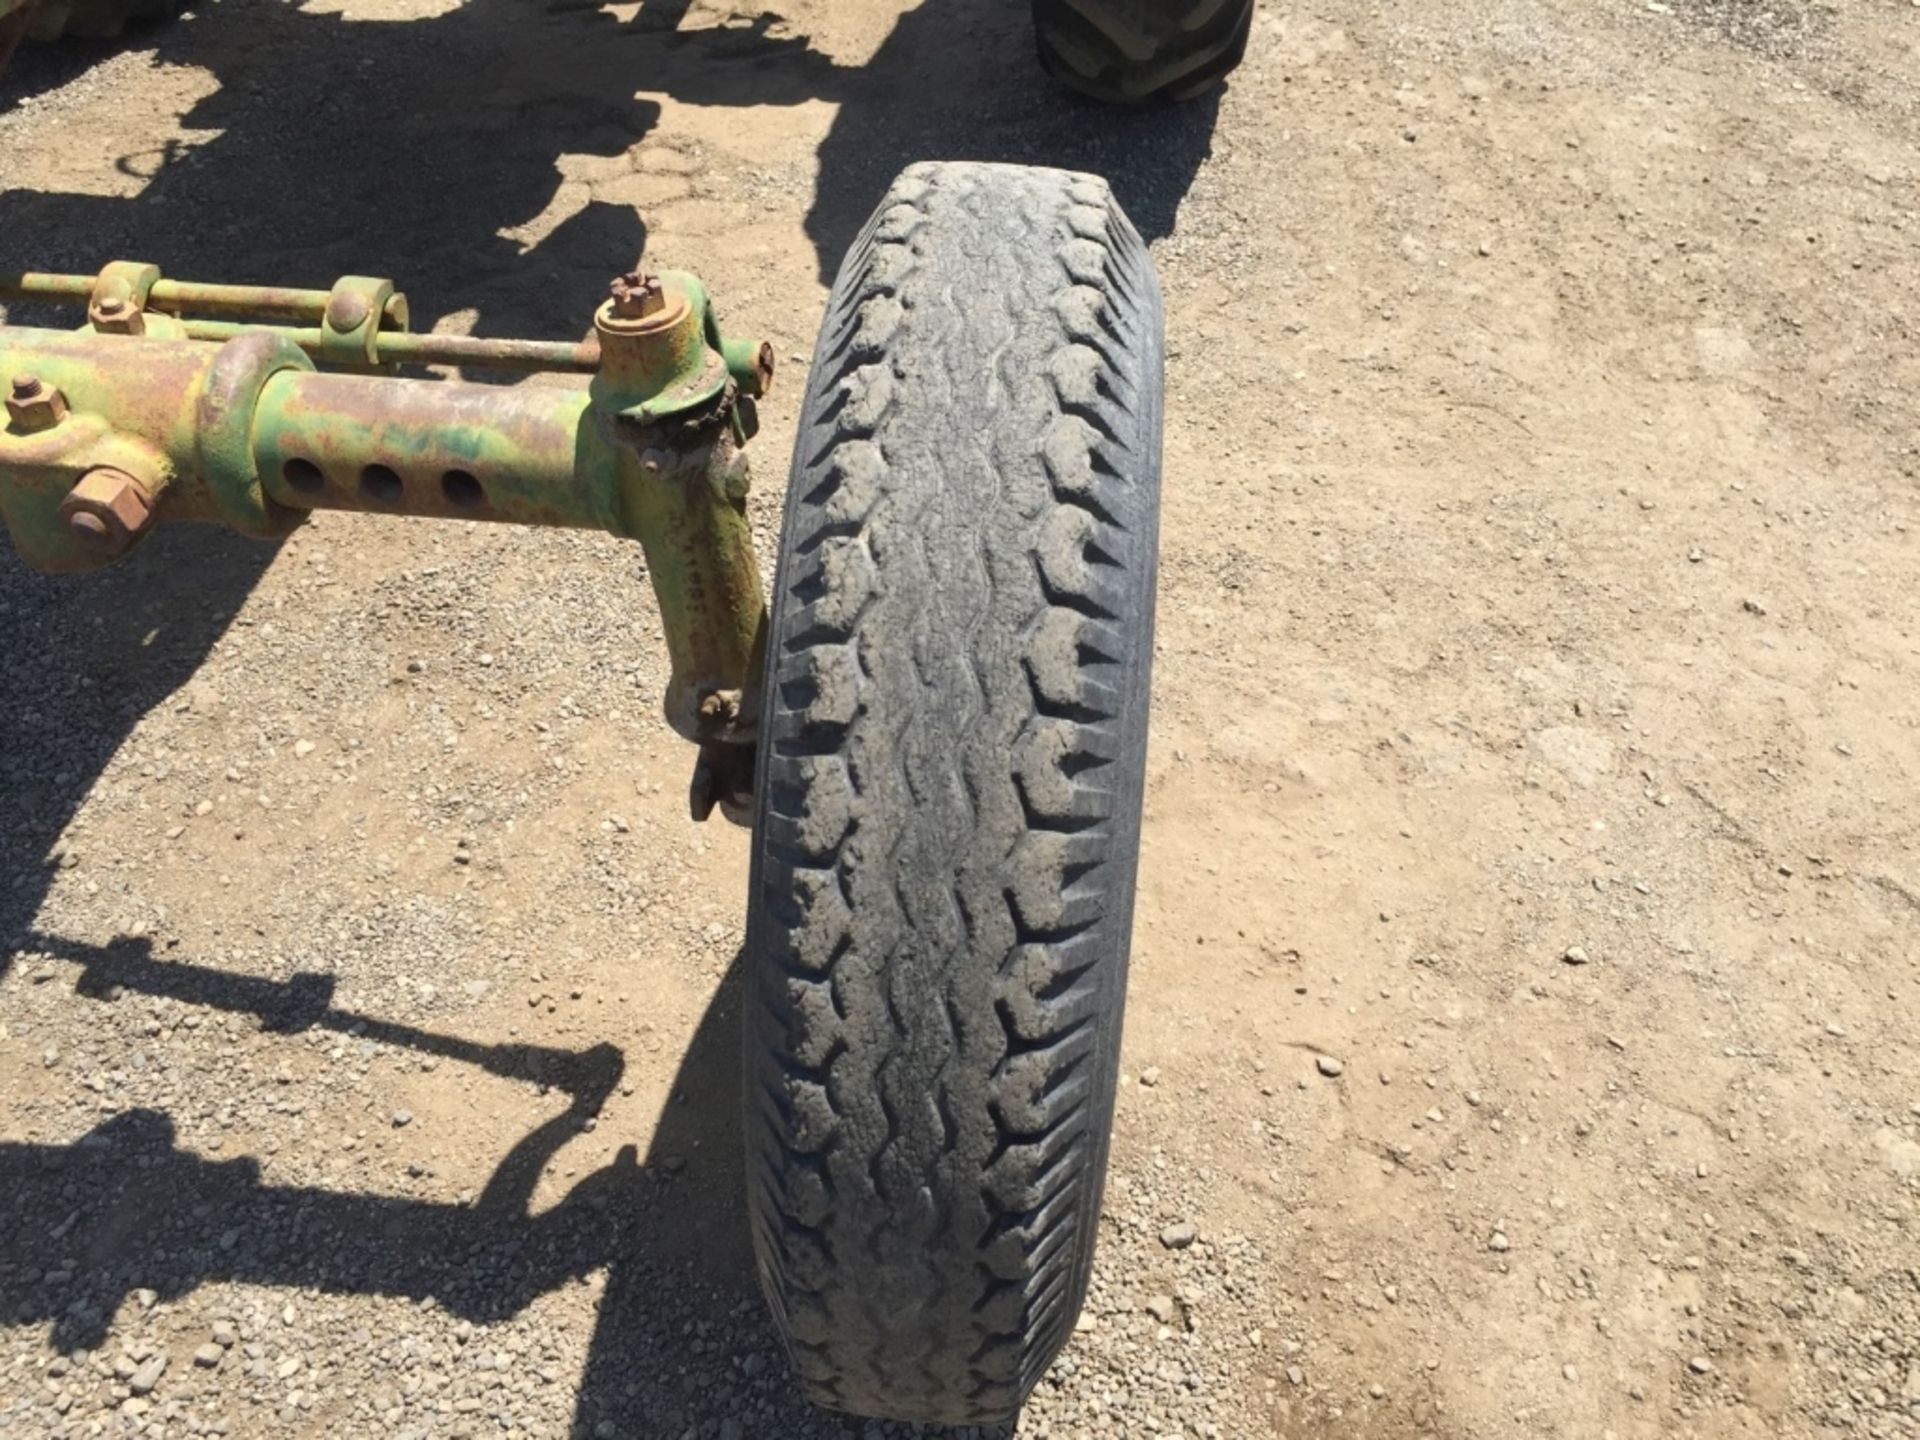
(948, 814)
(1135, 52)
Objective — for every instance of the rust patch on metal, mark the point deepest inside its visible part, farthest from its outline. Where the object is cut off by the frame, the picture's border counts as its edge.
(108, 510)
(637, 295)
(33, 405)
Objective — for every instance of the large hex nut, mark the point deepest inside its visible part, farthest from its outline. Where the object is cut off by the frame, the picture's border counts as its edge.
(107, 511)
(33, 405)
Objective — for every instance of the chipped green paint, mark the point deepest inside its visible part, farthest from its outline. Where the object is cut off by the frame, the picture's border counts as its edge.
(129, 405)
(226, 406)
(538, 456)
(456, 450)
(239, 428)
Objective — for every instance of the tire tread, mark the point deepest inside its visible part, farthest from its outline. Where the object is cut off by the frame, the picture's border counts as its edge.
(1135, 52)
(950, 790)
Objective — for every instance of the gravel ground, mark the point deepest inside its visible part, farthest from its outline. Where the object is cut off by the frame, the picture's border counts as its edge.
(1519, 1043)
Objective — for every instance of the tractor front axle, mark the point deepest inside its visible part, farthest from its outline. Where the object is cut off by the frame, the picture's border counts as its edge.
(166, 406)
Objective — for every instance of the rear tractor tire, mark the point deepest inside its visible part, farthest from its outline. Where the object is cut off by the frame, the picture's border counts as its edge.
(1134, 52)
(948, 813)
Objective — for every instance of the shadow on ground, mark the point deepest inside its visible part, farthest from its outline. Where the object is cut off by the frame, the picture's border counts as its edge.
(338, 145)
(83, 1226)
(405, 148)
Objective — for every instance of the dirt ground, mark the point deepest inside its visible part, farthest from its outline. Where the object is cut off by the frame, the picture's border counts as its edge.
(1525, 969)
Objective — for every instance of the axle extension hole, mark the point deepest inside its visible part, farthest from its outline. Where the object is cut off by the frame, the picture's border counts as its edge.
(304, 476)
(462, 490)
(382, 485)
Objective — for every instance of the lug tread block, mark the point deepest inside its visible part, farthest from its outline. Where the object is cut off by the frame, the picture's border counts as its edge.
(1135, 52)
(949, 811)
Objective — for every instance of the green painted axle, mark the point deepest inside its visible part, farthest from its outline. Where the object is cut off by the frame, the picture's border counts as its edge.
(109, 433)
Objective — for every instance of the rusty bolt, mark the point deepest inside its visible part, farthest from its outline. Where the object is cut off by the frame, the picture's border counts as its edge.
(718, 710)
(636, 295)
(33, 405)
(107, 511)
(348, 311)
(115, 315)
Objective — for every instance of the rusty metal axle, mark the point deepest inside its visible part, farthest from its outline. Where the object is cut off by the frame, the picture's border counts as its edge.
(144, 417)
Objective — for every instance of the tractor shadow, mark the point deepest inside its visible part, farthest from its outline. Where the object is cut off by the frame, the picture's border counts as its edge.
(415, 148)
(82, 1226)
